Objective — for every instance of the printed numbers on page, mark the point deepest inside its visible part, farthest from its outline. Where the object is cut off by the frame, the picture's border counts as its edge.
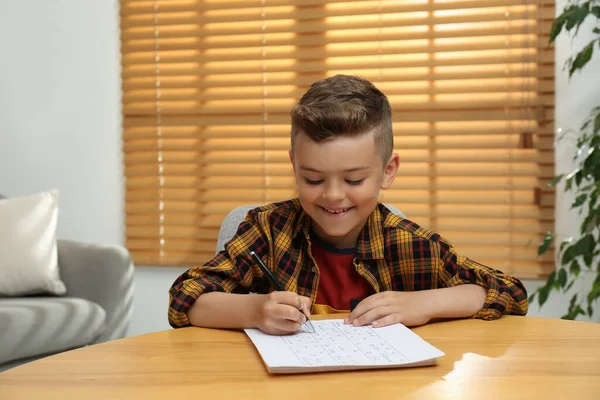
(312, 354)
(346, 353)
(381, 352)
(341, 344)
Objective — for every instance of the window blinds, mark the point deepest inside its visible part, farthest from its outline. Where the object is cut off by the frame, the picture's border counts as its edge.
(208, 86)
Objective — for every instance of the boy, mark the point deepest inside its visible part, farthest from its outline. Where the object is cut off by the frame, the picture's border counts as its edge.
(335, 243)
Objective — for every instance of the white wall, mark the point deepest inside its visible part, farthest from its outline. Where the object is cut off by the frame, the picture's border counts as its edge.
(60, 126)
(59, 110)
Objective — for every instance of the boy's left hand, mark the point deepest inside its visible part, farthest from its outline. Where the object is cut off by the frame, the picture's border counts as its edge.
(387, 308)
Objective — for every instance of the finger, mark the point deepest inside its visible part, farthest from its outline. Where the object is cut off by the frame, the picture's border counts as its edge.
(371, 302)
(287, 326)
(364, 306)
(277, 332)
(372, 315)
(301, 307)
(387, 320)
(289, 298)
(306, 305)
(282, 327)
(300, 303)
(290, 313)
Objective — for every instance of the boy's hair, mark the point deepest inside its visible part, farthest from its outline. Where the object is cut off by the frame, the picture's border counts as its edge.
(344, 105)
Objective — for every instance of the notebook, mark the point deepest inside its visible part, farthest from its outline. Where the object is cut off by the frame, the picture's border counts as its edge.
(336, 346)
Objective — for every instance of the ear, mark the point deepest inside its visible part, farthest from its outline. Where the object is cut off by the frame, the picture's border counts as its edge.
(291, 154)
(390, 170)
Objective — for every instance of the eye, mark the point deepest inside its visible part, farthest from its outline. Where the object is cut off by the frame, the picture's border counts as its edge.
(355, 183)
(311, 182)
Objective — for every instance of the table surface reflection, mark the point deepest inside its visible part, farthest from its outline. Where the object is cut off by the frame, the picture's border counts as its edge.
(513, 357)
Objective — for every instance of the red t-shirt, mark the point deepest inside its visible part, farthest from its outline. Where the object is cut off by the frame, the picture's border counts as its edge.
(339, 282)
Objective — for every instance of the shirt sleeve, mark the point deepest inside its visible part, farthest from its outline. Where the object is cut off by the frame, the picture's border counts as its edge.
(230, 271)
(505, 294)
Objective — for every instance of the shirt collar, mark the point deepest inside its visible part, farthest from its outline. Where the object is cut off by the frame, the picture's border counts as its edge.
(371, 242)
(303, 224)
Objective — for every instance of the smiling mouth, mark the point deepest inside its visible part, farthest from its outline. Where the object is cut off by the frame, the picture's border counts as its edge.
(336, 211)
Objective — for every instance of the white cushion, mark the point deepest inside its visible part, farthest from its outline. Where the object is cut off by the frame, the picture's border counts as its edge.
(28, 253)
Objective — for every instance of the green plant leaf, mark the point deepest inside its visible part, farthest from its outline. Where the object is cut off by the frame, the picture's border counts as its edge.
(587, 259)
(595, 291)
(576, 16)
(571, 314)
(597, 120)
(556, 179)
(584, 245)
(562, 277)
(582, 58)
(594, 140)
(593, 200)
(573, 301)
(596, 11)
(544, 292)
(585, 125)
(569, 182)
(578, 177)
(548, 239)
(575, 268)
(551, 279)
(567, 256)
(566, 242)
(574, 312)
(590, 310)
(572, 175)
(579, 200)
(532, 298)
(590, 221)
(592, 160)
(557, 26)
(569, 285)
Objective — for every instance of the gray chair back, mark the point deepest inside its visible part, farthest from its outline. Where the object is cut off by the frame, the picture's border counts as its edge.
(235, 217)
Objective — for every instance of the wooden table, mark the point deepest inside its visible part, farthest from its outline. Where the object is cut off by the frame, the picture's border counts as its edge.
(511, 358)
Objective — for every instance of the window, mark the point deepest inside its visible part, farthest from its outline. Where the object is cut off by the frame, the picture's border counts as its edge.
(208, 86)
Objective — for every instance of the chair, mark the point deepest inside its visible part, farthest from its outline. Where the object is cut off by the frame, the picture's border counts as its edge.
(235, 217)
(96, 308)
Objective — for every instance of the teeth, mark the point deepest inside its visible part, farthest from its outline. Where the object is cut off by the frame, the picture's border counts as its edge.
(335, 211)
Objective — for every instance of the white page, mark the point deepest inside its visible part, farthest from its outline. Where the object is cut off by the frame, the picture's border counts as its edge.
(337, 346)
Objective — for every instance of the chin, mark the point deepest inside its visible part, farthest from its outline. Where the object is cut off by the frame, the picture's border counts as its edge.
(337, 235)
(340, 233)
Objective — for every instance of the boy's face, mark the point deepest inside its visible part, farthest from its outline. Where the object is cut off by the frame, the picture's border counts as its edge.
(339, 182)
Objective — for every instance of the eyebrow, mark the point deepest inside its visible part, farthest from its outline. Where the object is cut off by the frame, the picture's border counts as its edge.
(346, 170)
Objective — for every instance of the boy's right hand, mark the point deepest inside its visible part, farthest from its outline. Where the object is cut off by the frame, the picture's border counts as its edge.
(282, 313)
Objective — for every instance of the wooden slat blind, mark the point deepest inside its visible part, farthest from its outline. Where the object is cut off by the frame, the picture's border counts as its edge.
(208, 86)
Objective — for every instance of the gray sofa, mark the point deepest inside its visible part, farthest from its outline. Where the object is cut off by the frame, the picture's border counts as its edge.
(96, 308)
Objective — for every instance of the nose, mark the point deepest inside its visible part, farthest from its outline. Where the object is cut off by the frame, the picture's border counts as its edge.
(334, 192)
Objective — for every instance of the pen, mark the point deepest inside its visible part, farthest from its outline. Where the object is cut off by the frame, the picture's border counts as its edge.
(278, 285)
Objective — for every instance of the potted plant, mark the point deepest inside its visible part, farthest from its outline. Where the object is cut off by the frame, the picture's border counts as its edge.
(578, 255)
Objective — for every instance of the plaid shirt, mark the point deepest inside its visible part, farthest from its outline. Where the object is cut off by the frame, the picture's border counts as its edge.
(392, 253)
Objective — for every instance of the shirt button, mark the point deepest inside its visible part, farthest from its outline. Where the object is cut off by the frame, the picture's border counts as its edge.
(313, 269)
